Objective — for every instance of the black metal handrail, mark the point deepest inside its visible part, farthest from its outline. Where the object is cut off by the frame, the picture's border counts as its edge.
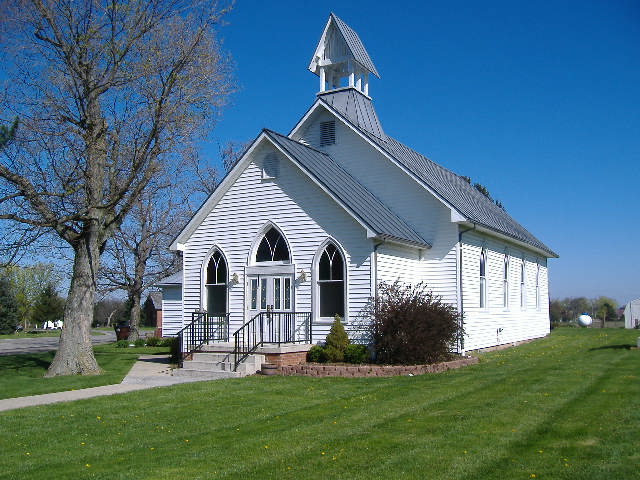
(271, 327)
(203, 328)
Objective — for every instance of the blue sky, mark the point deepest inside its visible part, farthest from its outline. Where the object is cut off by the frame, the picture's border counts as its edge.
(538, 101)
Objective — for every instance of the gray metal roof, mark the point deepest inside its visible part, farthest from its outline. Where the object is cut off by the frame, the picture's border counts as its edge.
(357, 107)
(175, 279)
(364, 205)
(355, 45)
(454, 189)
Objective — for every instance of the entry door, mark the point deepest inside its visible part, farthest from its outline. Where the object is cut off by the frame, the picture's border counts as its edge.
(270, 292)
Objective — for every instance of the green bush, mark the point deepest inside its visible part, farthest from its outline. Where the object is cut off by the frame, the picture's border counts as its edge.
(122, 344)
(167, 341)
(356, 353)
(316, 354)
(140, 342)
(153, 341)
(337, 341)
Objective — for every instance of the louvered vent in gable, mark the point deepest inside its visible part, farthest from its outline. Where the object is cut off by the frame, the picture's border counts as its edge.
(270, 166)
(327, 133)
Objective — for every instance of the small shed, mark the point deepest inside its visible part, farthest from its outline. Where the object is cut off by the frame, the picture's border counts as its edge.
(632, 314)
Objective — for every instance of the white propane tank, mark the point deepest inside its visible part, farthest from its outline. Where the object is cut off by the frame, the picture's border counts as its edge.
(585, 320)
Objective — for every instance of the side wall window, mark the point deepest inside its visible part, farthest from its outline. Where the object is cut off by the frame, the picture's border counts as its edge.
(505, 281)
(523, 285)
(331, 282)
(483, 278)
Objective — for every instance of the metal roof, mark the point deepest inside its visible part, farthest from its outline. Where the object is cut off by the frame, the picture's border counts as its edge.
(355, 45)
(357, 107)
(454, 189)
(175, 279)
(364, 205)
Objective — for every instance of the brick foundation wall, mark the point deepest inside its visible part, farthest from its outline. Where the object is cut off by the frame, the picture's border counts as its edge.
(286, 359)
(320, 370)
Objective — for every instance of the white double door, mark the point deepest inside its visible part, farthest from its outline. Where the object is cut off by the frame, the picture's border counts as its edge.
(270, 293)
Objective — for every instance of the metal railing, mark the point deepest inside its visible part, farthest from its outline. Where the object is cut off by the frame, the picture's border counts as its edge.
(203, 328)
(271, 327)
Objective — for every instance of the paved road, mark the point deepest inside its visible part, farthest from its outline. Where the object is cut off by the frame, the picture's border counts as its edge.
(16, 346)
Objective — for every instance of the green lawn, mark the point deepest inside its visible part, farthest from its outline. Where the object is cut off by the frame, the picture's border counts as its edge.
(565, 407)
(22, 375)
(49, 333)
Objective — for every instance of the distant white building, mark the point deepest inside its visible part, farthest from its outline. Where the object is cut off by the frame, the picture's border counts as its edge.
(632, 314)
(306, 225)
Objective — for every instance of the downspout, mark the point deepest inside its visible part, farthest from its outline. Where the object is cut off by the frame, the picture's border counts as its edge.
(461, 301)
(375, 270)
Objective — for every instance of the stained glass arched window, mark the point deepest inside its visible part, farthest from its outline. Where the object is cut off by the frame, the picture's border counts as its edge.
(216, 284)
(273, 248)
(331, 282)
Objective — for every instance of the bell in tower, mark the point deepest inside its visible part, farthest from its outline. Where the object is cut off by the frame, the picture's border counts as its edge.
(340, 59)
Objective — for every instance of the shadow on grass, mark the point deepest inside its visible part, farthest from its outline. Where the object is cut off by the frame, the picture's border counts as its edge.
(17, 362)
(624, 346)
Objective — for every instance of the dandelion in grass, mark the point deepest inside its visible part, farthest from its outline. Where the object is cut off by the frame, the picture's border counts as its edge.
(88, 465)
(321, 453)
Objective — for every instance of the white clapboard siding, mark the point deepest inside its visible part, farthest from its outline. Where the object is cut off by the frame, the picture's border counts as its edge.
(171, 310)
(404, 196)
(517, 323)
(307, 217)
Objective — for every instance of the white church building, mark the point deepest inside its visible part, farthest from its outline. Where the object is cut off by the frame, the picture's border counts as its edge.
(307, 224)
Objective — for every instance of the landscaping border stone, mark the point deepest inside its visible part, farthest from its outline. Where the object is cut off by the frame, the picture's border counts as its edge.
(324, 370)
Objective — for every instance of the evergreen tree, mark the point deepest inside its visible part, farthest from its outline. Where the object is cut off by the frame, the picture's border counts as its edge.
(8, 308)
(49, 307)
(337, 341)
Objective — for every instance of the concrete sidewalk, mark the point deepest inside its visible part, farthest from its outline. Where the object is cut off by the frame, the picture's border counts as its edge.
(149, 371)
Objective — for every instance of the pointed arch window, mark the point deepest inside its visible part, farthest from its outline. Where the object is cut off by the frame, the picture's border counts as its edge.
(505, 282)
(537, 286)
(483, 278)
(216, 284)
(523, 287)
(273, 248)
(331, 277)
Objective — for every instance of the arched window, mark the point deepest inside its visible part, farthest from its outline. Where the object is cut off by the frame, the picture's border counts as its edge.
(505, 282)
(483, 278)
(273, 248)
(216, 284)
(523, 287)
(331, 282)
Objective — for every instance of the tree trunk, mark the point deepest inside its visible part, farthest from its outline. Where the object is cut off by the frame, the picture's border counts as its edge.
(75, 351)
(134, 321)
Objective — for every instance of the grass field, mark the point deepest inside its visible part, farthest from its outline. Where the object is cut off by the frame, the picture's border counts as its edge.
(22, 375)
(564, 407)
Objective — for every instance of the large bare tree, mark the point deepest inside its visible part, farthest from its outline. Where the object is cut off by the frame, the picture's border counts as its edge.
(138, 254)
(107, 92)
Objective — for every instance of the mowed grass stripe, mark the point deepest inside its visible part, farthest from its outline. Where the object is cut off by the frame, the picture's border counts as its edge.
(549, 392)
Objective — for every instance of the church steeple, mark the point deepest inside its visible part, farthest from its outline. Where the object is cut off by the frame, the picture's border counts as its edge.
(340, 58)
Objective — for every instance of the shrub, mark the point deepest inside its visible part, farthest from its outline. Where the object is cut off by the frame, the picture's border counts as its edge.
(167, 341)
(8, 308)
(152, 341)
(139, 342)
(411, 325)
(337, 341)
(316, 354)
(356, 353)
(122, 344)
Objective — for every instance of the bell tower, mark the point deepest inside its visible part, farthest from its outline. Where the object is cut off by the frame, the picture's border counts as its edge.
(340, 59)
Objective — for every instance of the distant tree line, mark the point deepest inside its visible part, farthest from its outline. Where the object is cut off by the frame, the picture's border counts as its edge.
(29, 296)
(569, 309)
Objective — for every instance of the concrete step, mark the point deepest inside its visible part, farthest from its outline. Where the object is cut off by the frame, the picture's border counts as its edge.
(211, 363)
(182, 372)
